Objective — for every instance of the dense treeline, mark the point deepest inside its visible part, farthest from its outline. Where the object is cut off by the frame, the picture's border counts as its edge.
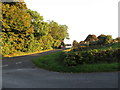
(24, 30)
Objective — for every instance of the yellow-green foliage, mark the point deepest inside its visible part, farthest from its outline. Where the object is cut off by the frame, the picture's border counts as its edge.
(24, 30)
(16, 26)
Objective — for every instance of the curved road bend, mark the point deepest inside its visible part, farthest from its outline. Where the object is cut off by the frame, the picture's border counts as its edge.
(19, 72)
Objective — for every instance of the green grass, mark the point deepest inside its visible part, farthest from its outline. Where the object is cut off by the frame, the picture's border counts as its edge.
(112, 46)
(53, 62)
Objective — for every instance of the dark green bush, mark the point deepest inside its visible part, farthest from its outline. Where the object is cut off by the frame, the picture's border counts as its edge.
(91, 57)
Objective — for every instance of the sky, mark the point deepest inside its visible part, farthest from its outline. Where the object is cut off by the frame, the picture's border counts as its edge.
(83, 17)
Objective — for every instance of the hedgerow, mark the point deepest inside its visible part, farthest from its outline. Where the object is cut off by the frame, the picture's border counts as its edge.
(93, 56)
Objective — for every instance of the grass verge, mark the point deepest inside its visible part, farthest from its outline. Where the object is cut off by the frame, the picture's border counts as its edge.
(25, 53)
(53, 62)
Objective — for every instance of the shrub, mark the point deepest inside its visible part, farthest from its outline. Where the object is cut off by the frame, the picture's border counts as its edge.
(91, 38)
(91, 57)
(75, 43)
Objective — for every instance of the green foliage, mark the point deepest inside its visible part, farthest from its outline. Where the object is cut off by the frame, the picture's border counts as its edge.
(101, 37)
(56, 43)
(24, 30)
(16, 27)
(40, 27)
(118, 39)
(58, 32)
(91, 38)
(75, 43)
(54, 62)
(47, 42)
(105, 39)
(88, 55)
(108, 39)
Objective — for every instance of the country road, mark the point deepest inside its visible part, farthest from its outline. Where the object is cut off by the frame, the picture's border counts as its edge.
(19, 72)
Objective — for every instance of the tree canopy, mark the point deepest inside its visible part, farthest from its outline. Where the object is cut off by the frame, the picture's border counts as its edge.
(24, 30)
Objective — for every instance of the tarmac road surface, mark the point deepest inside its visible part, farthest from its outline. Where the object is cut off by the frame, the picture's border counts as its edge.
(19, 72)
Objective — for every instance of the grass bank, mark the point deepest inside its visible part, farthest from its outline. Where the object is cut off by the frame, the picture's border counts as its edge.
(54, 62)
(25, 53)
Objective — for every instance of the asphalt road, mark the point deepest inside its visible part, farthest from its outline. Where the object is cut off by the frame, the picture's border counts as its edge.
(19, 72)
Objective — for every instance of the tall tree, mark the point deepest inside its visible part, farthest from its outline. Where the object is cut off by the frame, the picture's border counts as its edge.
(24, 30)
(40, 27)
(58, 32)
(16, 27)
